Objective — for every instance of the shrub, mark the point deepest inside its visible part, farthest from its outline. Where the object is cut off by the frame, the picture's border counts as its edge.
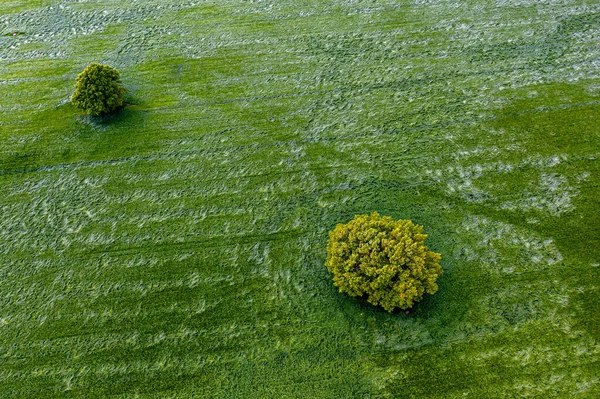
(98, 90)
(382, 260)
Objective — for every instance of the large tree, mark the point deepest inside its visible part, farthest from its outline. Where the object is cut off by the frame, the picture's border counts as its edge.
(382, 260)
(98, 90)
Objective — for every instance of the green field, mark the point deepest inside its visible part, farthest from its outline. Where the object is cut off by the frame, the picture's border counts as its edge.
(176, 250)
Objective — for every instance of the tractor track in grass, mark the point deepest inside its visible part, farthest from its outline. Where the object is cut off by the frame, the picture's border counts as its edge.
(157, 157)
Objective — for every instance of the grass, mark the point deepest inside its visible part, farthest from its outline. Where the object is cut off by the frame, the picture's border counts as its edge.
(176, 250)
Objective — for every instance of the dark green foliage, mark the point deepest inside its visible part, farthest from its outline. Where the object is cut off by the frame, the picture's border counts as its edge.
(98, 90)
(383, 260)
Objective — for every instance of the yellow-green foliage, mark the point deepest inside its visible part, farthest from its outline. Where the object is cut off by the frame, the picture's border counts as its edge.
(383, 260)
(98, 90)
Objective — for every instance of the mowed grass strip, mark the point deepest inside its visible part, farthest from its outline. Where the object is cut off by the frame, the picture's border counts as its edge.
(177, 249)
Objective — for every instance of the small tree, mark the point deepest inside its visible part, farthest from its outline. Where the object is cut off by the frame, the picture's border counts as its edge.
(383, 260)
(98, 90)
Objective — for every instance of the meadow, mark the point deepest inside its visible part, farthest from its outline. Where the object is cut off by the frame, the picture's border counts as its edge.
(176, 250)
